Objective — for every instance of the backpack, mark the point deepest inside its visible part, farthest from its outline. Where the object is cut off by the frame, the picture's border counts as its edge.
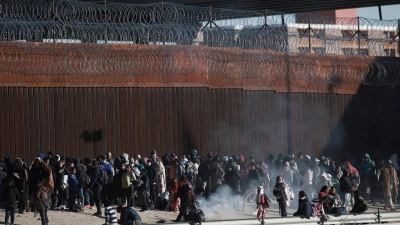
(85, 180)
(77, 207)
(314, 210)
(126, 181)
(103, 179)
(267, 201)
(196, 215)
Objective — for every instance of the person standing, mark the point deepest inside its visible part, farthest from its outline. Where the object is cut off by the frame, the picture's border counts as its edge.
(186, 195)
(283, 194)
(287, 174)
(390, 185)
(72, 188)
(19, 176)
(217, 175)
(104, 165)
(10, 198)
(95, 185)
(262, 202)
(253, 176)
(127, 186)
(161, 178)
(367, 172)
(142, 190)
(346, 189)
(152, 176)
(232, 179)
(45, 186)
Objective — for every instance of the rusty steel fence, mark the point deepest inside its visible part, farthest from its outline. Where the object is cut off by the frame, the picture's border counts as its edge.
(67, 42)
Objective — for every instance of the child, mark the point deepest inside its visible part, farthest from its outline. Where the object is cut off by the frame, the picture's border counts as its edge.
(10, 198)
(142, 190)
(109, 213)
(73, 190)
(263, 202)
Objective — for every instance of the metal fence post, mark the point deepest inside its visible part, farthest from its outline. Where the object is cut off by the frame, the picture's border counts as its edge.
(106, 20)
(309, 33)
(162, 21)
(378, 215)
(358, 33)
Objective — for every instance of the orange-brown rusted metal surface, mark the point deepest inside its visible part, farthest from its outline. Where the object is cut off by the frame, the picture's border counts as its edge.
(63, 65)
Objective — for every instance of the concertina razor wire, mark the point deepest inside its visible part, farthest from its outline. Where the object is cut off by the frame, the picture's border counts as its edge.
(165, 42)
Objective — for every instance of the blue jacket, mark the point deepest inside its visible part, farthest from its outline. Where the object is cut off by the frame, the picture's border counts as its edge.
(72, 182)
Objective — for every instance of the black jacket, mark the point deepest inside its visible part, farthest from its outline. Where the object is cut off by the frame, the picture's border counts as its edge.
(20, 183)
(10, 195)
(304, 208)
(345, 183)
(254, 175)
(231, 177)
(82, 177)
(94, 174)
(204, 172)
(151, 174)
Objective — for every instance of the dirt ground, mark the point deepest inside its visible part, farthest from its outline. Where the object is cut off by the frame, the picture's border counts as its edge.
(223, 212)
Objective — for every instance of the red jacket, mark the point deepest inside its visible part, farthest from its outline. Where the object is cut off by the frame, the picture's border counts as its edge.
(180, 190)
(322, 197)
(261, 201)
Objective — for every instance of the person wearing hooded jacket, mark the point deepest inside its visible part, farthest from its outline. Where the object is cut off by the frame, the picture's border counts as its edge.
(262, 202)
(253, 176)
(204, 176)
(95, 185)
(367, 171)
(62, 192)
(232, 178)
(346, 188)
(19, 177)
(354, 175)
(9, 165)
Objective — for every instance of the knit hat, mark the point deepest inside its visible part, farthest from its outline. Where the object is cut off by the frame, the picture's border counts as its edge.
(40, 155)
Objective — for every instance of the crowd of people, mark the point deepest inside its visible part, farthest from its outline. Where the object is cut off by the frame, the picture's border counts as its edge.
(178, 183)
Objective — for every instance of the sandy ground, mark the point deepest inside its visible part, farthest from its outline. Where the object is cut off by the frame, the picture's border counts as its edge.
(223, 212)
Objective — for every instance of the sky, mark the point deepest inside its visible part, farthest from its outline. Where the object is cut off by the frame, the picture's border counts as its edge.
(388, 12)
